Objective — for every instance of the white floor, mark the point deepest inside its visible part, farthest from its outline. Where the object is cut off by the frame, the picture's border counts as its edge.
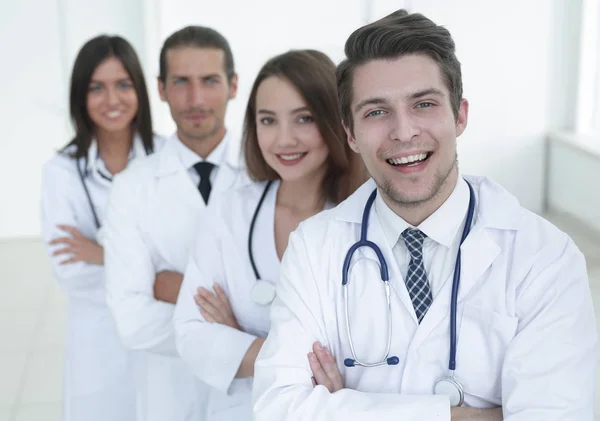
(32, 320)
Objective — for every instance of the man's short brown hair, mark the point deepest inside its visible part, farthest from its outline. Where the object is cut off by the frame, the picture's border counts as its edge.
(391, 37)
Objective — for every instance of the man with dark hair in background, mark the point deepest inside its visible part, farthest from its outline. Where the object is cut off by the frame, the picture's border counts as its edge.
(153, 212)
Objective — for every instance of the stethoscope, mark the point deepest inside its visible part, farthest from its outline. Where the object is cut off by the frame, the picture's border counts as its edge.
(446, 385)
(89, 199)
(263, 292)
(99, 232)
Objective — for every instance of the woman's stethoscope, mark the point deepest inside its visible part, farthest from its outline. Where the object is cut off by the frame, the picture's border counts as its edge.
(89, 197)
(447, 385)
(263, 292)
(99, 236)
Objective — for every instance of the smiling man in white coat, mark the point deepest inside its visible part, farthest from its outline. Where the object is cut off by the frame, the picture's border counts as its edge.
(382, 346)
(153, 212)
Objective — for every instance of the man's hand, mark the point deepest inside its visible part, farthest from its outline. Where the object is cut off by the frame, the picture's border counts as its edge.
(475, 414)
(81, 248)
(216, 308)
(324, 368)
(326, 373)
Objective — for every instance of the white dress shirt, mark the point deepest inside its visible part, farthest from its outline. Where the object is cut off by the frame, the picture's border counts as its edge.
(190, 158)
(443, 230)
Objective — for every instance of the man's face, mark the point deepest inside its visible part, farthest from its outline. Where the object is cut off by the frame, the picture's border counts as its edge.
(197, 90)
(404, 128)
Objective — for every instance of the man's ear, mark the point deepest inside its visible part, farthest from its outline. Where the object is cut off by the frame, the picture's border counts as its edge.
(233, 86)
(162, 91)
(350, 138)
(463, 117)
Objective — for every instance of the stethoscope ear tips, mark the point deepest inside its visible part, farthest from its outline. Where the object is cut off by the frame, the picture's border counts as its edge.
(349, 362)
(393, 361)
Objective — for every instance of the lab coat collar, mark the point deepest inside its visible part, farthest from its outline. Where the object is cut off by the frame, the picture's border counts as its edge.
(93, 156)
(441, 227)
(170, 160)
(189, 158)
(495, 207)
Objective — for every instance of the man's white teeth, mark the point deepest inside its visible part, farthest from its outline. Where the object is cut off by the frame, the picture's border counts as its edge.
(113, 114)
(408, 159)
(291, 157)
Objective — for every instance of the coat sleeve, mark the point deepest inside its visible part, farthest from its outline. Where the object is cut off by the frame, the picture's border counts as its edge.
(213, 351)
(549, 368)
(58, 208)
(282, 382)
(143, 322)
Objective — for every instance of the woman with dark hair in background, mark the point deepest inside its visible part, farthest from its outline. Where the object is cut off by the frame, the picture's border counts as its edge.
(297, 154)
(110, 113)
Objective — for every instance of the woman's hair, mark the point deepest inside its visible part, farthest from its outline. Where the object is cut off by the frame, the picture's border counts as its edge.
(312, 73)
(94, 52)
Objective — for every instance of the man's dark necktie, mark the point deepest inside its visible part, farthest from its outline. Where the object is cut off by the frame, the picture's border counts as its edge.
(204, 169)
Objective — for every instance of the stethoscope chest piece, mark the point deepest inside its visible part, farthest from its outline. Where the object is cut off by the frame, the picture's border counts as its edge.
(263, 292)
(449, 386)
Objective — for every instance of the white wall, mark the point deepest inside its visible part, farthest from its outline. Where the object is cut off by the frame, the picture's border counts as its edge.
(39, 40)
(573, 174)
(519, 63)
(32, 89)
(510, 57)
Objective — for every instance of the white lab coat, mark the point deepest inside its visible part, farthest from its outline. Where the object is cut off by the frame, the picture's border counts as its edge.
(526, 327)
(154, 210)
(98, 380)
(214, 352)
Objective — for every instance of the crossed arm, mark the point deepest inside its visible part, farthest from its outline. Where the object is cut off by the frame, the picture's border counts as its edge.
(326, 373)
(215, 308)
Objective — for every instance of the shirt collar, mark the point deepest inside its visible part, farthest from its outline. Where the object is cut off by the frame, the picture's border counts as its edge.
(190, 158)
(95, 162)
(441, 227)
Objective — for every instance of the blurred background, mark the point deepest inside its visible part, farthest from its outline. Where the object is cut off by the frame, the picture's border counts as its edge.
(531, 71)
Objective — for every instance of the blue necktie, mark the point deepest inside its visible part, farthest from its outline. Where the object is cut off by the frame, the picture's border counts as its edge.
(416, 279)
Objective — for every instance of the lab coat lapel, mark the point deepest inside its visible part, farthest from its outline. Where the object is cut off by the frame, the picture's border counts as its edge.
(228, 173)
(176, 205)
(224, 180)
(496, 209)
(478, 252)
(174, 181)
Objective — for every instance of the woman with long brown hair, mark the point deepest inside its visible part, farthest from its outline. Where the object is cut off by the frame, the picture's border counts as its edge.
(110, 112)
(297, 155)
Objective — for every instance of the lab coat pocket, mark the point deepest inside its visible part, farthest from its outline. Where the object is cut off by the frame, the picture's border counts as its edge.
(483, 339)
